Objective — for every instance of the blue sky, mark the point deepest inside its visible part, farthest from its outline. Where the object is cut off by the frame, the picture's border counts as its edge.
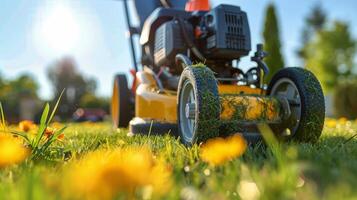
(34, 33)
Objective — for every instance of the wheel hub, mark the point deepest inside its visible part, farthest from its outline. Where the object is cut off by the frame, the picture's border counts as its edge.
(287, 89)
(187, 111)
(190, 110)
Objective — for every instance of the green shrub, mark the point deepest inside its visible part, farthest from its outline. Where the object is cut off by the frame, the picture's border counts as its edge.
(92, 101)
(345, 99)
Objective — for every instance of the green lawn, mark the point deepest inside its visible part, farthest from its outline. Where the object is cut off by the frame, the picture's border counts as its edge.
(326, 170)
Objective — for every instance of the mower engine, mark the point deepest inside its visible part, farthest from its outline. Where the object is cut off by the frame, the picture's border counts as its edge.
(223, 33)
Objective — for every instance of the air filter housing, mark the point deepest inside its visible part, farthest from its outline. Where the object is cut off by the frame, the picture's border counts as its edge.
(169, 42)
(228, 33)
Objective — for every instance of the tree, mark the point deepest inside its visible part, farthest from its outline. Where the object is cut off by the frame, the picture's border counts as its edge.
(24, 85)
(92, 101)
(64, 75)
(314, 22)
(16, 94)
(1, 80)
(330, 55)
(317, 18)
(344, 99)
(272, 44)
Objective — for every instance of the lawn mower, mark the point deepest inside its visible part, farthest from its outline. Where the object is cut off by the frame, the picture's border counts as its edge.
(191, 85)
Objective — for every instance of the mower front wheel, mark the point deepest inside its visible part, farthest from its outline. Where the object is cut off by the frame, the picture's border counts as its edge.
(121, 109)
(304, 94)
(198, 109)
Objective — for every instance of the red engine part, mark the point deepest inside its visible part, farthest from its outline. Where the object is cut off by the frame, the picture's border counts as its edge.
(197, 5)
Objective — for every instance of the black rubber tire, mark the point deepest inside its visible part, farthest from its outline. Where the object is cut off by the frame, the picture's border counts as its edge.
(312, 103)
(123, 112)
(207, 112)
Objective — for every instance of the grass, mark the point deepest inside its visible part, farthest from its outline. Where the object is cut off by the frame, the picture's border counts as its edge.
(326, 170)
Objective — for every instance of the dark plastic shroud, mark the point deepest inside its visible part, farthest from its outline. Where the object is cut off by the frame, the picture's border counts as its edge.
(229, 34)
(169, 42)
(225, 34)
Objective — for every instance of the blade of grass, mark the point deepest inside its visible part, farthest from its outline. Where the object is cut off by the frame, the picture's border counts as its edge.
(45, 114)
(43, 125)
(55, 108)
(343, 143)
(21, 135)
(271, 141)
(3, 125)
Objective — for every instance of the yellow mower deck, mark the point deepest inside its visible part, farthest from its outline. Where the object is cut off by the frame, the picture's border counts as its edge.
(238, 103)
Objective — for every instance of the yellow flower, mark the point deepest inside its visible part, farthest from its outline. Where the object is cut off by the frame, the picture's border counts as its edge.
(342, 120)
(49, 131)
(11, 151)
(105, 174)
(26, 125)
(57, 125)
(331, 123)
(60, 136)
(160, 178)
(218, 150)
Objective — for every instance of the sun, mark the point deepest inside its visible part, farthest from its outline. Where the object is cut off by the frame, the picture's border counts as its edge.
(57, 29)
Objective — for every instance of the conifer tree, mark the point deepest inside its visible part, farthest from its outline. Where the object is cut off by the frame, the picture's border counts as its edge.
(272, 44)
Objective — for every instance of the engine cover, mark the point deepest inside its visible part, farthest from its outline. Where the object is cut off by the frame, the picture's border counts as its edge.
(169, 42)
(228, 33)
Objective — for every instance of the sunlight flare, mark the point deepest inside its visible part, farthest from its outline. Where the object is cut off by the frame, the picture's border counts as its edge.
(58, 28)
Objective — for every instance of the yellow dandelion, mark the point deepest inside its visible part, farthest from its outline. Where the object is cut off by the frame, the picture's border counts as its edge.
(342, 120)
(11, 151)
(160, 178)
(331, 123)
(217, 151)
(26, 125)
(133, 166)
(56, 125)
(121, 171)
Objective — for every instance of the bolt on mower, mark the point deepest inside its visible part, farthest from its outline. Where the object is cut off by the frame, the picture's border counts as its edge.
(190, 84)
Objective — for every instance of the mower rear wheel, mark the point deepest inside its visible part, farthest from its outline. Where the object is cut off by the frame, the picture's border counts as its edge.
(121, 111)
(198, 109)
(306, 101)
